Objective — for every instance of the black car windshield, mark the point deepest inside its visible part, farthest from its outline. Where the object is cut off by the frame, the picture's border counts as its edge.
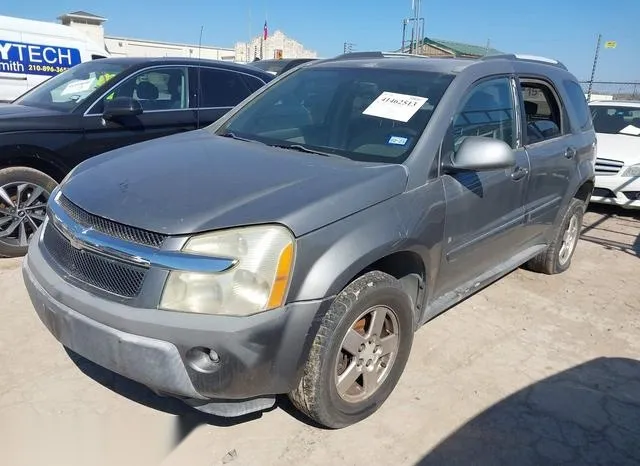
(67, 90)
(365, 114)
(270, 66)
(616, 119)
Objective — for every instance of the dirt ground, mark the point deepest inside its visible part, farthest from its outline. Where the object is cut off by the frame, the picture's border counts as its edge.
(533, 370)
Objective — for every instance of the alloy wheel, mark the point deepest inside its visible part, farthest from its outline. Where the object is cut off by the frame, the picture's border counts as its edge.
(367, 354)
(23, 208)
(569, 240)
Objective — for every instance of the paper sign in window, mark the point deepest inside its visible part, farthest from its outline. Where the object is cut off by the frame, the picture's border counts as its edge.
(398, 107)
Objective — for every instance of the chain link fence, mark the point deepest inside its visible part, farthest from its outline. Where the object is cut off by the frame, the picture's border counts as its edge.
(610, 90)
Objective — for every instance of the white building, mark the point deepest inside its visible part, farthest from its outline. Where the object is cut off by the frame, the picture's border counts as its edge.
(92, 26)
(276, 45)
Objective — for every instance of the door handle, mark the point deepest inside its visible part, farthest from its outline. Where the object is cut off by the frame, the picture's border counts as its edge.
(519, 173)
(570, 152)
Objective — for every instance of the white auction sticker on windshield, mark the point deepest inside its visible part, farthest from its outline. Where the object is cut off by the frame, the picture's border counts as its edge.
(631, 129)
(392, 106)
(78, 86)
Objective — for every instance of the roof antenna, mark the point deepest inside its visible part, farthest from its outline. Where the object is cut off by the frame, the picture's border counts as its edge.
(199, 89)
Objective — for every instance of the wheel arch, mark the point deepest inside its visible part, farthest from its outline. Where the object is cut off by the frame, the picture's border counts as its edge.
(35, 157)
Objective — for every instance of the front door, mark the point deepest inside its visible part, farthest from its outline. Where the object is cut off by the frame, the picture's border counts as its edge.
(163, 93)
(484, 209)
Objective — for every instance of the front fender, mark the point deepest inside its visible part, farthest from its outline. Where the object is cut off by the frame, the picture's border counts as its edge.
(328, 258)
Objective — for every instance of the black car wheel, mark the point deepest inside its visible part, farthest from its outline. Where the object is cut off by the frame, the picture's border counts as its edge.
(24, 193)
(359, 352)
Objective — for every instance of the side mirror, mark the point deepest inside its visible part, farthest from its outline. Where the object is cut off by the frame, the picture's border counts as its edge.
(481, 154)
(121, 107)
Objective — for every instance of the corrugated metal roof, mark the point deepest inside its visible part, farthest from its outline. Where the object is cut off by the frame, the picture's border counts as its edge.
(462, 49)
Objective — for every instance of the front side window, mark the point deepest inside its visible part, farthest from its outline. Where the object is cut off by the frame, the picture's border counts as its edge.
(366, 114)
(155, 89)
(487, 111)
(616, 119)
(68, 90)
(543, 112)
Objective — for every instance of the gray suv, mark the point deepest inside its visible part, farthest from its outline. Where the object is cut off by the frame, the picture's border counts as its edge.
(297, 244)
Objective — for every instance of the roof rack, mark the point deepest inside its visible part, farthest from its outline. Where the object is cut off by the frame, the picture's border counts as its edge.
(377, 54)
(524, 57)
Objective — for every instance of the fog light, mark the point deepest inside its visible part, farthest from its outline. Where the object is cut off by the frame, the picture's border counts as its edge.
(202, 359)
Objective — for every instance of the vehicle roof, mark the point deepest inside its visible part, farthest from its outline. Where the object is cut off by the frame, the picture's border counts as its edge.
(616, 103)
(400, 61)
(136, 61)
(442, 65)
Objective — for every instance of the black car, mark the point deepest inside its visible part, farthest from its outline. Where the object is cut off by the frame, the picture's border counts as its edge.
(95, 107)
(280, 66)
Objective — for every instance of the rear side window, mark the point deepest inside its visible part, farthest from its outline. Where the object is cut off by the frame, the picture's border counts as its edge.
(579, 103)
(220, 88)
(543, 112)
(252, 83)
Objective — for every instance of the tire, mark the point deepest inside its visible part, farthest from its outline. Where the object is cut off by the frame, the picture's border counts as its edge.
(17, 226)
(318, 395)
(552, 260)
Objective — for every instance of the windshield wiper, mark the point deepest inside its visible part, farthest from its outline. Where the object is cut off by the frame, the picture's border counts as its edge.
(301, 148)
(232, 135)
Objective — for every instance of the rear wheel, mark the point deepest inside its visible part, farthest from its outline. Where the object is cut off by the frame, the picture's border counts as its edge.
(359, 353)
(24, 193)
(557, 258)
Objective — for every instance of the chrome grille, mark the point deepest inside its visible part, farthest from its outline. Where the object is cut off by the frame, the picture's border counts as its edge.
(101, 272)
(608, 166)
(111, 228)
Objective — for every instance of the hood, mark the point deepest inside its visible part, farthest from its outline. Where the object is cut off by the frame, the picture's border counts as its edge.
(15, 117)
(619, 147)
(198, 181)
(19, 111)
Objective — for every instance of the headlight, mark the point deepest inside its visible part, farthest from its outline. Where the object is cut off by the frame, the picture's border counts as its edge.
(633, 170)
(258, 282)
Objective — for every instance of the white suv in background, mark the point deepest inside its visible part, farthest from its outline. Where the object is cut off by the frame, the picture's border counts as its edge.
(617, 126)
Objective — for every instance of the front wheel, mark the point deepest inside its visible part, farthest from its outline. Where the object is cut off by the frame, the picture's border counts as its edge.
(359, 352)
(24, 193)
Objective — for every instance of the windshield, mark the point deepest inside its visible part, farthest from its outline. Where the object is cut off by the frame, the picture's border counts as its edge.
(270, 66)
(616, 119)
(67, 90)
(365, 114)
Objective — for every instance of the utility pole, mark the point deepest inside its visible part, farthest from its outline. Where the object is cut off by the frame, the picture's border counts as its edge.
(593, 70)
(348, 47)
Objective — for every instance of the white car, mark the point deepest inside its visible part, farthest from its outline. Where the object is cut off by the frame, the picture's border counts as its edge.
(617, 126)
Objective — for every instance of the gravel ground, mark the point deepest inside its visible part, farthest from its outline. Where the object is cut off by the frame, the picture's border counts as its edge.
(533, 370)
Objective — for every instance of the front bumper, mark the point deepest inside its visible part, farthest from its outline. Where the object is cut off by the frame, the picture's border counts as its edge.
(259, 355)
(617, 190)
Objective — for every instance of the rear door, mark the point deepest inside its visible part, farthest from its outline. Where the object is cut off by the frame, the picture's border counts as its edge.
(552, 152)
(163, 94)
(220, 90)
(484, 210)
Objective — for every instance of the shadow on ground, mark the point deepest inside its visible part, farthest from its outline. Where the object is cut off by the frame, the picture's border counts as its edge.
(588, 415)
(599, 232)
(186, 418)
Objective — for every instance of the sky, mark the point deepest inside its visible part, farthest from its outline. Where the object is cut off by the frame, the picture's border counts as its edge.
(566, 30)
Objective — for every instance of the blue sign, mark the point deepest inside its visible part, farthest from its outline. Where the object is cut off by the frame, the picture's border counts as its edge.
(16, 57)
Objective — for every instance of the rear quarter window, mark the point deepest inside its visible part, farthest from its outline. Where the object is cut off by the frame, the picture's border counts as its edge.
(578, 101)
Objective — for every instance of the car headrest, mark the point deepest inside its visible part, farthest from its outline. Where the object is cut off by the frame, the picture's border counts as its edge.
(530, 108)
(147, 91)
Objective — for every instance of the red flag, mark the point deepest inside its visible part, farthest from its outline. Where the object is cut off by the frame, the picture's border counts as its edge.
(266, 30)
